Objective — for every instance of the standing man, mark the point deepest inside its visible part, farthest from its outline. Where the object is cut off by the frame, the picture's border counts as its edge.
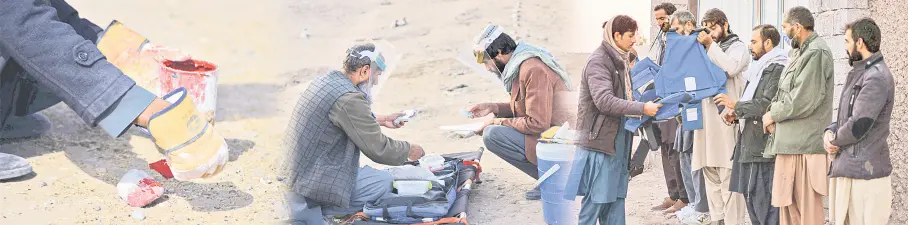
(539, 91)
(677, 196)
(697, 210)
(48, 55)
(605, 146)
(662, 14)
(797, 118)
(752, 173)
(715, 143)
(860, 190)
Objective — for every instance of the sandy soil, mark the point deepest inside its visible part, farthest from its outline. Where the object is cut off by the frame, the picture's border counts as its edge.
(265, 63)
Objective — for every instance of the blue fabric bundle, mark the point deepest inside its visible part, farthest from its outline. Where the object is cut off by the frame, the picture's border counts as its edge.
(686, 77)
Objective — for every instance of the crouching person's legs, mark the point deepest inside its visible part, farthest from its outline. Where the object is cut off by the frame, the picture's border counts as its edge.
(19, 119)
(371, 185)
(303, 211)
(510, 145)
(24, 121)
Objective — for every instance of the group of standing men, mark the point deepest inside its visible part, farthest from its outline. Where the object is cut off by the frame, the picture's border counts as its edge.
(776, 149)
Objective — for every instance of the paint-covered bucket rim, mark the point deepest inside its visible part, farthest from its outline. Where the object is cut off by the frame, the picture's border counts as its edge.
(214, 66)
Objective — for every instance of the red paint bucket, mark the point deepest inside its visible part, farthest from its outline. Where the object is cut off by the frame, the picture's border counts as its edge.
(200, 78)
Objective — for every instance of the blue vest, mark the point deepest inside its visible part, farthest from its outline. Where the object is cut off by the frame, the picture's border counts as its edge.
(686, 77)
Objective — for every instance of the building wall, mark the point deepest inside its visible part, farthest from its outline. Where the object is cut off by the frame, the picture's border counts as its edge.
(891, 16)
(831, 17)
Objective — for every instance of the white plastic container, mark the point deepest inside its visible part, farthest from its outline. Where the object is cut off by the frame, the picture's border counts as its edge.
(432, 162)
(412, 187)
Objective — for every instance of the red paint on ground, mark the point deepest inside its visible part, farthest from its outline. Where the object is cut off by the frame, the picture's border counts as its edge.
(146, 192)
(162, 167)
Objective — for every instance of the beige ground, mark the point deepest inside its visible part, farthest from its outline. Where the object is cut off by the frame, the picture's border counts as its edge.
(265, 64)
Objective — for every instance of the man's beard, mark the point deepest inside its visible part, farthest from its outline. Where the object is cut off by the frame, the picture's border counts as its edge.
(794, 40)
(854, 56)
(366, 88)
(665, 27)
(500, 65)
(721, 37)
(758, 55)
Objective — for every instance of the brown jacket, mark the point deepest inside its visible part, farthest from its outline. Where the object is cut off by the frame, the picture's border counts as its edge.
(603, 101)
(539, 100)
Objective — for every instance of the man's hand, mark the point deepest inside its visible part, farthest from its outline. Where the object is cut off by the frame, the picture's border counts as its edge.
(487, 124)
(416, 152)
(726, 101)
(650, 108)
(388, 121)
(827, 143)
(483, 109)
(768, 124)
(705, 39)
(728, 116)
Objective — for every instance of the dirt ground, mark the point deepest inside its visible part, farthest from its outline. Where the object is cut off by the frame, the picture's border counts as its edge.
(267, 52)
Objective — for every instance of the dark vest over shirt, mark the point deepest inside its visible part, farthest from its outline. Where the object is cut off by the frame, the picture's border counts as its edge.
(324, 160)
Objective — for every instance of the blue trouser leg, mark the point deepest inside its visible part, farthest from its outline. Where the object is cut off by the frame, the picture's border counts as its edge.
(605, 213)
(371, 185)
(510, 145)
(694, 184)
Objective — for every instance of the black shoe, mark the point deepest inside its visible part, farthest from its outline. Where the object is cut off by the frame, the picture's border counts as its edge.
(534, 194)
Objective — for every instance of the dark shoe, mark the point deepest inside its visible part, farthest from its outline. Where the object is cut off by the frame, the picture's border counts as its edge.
(534, 194)
(33, 125)
(12, 166)
(666, 203)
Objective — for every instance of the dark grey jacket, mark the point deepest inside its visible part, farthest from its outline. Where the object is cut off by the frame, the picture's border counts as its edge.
(48, 40)
(752, 140)
(330, 126)
(862, 124)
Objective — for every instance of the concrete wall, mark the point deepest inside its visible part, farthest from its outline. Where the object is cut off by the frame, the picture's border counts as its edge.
(831, 17)
(891, 16)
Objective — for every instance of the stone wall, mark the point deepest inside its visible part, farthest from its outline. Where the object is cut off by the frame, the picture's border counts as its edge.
(891, 16)
(831, 17)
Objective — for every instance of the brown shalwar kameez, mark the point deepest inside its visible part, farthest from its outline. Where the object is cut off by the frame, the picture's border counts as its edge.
(798, 188)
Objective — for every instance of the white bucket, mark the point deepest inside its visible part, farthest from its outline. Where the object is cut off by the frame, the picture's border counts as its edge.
(555, 152)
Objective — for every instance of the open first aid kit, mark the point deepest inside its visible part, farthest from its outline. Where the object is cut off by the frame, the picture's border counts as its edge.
(433, 190)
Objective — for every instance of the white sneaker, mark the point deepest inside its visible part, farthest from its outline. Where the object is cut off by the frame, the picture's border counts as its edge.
(696, 218)
(684, 212)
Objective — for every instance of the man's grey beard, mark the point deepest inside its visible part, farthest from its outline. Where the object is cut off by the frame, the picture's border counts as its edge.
(366, 88)
(794, 42)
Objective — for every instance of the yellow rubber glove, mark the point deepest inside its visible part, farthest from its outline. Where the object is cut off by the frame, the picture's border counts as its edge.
(191, 146)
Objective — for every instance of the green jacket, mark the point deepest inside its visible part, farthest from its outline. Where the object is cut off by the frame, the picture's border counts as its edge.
(802, 108)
